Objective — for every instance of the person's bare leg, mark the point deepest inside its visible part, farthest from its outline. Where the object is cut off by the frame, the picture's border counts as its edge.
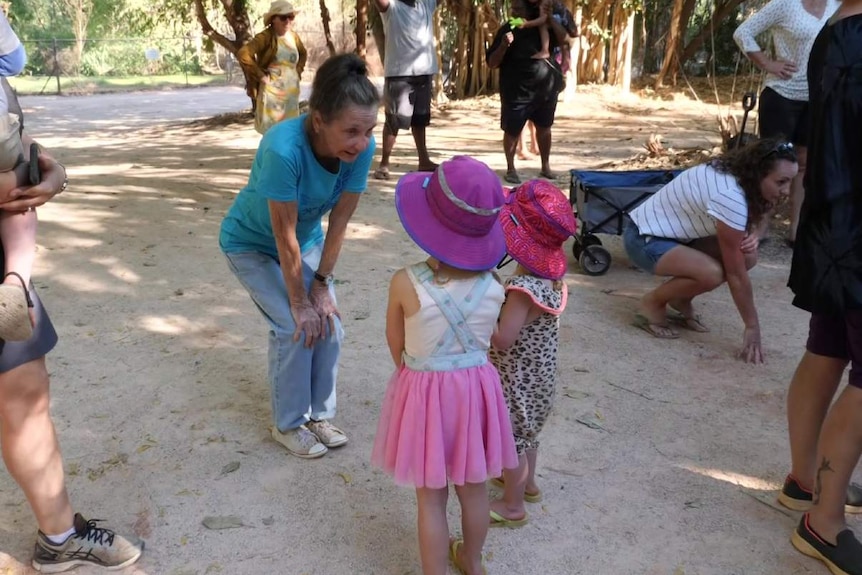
(433, 530)
(532, 456)
(838, 453)
(388, 145)
(475, 512)
(692, 273)
(30, 448)
(797, 192)
(534, 145)
(510, 143)
(708, 246)
(811, 391)
(543, 138)
(522, 155)
(511, 505)
(425, 163)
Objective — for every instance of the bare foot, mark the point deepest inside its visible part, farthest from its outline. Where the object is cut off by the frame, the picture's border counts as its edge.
(534, 149)
(427, 167)
(522, 155)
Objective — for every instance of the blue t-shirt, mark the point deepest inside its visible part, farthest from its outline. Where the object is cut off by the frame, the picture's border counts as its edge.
(285, 170)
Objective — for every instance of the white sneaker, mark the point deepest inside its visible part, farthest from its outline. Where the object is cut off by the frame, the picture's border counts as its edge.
(328, 434)
(300, 442)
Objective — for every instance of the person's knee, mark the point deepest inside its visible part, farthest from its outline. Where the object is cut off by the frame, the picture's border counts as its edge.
(710, 277)
(24, 391)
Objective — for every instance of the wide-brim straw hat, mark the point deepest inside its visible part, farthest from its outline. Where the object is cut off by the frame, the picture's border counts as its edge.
(452, 214)
(279, 8)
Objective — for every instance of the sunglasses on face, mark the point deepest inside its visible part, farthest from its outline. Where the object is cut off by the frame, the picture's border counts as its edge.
(286, 17)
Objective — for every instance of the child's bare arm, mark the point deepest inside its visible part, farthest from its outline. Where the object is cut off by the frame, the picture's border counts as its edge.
(18, 236)
(535, 23)
(395, 315)
(513, 316)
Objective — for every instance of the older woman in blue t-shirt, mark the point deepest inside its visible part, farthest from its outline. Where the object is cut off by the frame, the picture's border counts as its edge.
(272, 236)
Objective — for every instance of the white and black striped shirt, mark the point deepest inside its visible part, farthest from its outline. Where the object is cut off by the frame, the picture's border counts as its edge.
(687, 207)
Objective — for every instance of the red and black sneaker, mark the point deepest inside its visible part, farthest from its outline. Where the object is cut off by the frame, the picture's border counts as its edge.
(795, 497)
(843, 558)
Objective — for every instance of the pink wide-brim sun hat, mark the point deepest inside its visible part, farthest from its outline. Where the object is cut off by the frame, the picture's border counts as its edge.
(453, 213)
(537, 219)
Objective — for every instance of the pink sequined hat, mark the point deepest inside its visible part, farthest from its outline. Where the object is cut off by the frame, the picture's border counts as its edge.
(453, 212)
(537, 219)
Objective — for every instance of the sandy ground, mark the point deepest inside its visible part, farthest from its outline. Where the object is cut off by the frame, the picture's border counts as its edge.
(661, 457)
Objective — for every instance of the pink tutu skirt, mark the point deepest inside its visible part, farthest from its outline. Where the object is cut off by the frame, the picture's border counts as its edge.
(440, 426)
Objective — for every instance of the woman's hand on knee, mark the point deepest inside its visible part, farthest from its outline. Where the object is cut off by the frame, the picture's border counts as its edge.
(324, 305)
(307, 322)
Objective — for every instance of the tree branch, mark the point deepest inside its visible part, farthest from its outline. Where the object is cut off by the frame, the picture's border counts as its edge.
(211, 32)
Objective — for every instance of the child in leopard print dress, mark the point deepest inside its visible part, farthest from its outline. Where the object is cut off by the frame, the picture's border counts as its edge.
(537, 218)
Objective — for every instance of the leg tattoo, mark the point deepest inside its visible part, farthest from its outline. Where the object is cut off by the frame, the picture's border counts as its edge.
(824, 466)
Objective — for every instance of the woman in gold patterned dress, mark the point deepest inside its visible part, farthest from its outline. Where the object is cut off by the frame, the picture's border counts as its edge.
(273, 62)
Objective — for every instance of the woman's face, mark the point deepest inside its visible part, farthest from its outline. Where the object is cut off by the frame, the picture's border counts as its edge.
(281, 22)
(776, 185)
(347, 134)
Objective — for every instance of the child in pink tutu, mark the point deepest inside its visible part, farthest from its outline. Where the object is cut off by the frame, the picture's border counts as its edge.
(537, 218)
(444, 417)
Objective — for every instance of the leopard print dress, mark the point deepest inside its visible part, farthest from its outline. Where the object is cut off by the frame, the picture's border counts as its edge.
(528, 369)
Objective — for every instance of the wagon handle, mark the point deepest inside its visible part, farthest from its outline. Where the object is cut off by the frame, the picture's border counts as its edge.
(749, 101)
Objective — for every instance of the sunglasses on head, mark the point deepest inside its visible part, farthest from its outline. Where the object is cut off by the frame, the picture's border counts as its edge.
(286, 17)
(782, 148)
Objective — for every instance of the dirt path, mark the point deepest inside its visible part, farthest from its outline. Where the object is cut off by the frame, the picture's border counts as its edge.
(661, 458)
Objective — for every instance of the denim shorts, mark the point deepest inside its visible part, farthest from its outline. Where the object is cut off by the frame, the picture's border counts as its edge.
(645, 251)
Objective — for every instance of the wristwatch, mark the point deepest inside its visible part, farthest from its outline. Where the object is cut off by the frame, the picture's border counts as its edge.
(324, 279)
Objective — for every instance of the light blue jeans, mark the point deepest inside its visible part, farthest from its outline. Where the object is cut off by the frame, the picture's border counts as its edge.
(302, 379)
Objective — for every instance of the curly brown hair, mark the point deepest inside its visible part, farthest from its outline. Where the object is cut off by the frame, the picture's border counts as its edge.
(750, 164)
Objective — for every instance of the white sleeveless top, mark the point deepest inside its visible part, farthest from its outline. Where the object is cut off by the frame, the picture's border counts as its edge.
(423, 330)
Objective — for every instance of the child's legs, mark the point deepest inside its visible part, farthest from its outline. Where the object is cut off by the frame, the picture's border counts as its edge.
(545, 39)
(511, 506)
(532, 456)
(475, 514)
(433, 530)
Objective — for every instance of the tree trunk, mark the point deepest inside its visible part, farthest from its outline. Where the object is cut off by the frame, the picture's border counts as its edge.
(682, 10)
(327, 33)
(79, 12)
(377, 32)
(361, 27)
(721, 12)
(622, 46)
(594, 45)
(237, 17)
(469, 74)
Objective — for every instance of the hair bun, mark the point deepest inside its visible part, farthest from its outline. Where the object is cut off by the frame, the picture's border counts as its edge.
(357, 67)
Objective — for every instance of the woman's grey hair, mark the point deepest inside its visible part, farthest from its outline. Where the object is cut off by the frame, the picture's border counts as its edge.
(340, 82)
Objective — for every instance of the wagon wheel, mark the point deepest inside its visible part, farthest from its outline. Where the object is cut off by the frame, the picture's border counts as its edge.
(595, 260)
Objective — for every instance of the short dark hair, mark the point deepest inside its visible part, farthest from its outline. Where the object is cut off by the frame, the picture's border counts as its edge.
(750, 164)
(341, 81)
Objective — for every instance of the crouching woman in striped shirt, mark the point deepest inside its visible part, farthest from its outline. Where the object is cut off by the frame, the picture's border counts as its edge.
(700, 230)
